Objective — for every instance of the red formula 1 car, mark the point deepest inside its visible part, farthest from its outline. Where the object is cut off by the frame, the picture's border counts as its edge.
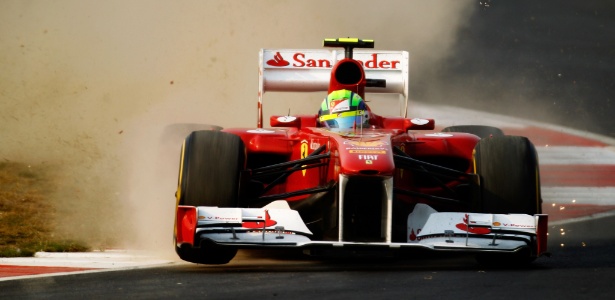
(348, 179)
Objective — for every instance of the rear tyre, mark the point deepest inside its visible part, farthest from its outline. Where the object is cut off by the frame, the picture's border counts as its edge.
(210, 167)
(479, 130)
(510, 183)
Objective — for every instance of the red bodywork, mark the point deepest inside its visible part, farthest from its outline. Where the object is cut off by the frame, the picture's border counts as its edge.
(363, 154)
(369, 153)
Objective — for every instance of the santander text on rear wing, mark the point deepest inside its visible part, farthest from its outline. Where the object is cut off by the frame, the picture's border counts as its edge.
(309, 70)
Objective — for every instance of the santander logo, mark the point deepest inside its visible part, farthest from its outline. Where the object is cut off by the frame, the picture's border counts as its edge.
(299, 60)
(413, 236)
(278, 61)
(254, 225)
(465, 226)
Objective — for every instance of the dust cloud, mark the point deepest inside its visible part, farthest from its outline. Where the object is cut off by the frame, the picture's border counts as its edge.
(90, 86)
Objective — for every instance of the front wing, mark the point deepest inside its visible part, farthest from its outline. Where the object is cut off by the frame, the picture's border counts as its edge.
(276, 225)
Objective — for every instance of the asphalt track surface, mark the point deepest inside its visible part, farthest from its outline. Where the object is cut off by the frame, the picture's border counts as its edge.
(581, 241)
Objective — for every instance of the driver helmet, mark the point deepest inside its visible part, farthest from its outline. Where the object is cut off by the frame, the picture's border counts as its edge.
(343, 109)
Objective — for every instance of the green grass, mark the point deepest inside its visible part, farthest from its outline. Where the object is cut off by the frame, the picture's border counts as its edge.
(27, 218)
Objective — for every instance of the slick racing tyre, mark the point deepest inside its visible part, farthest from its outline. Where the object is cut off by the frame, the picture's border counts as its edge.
(208, 254)
(510, 183)
(509, 177)
(479, 130)
(210, 166)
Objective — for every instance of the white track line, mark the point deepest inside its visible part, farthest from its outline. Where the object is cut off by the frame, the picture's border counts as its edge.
(582, 219)
(95, 259)
(571, 155)
(445, 115)
(99, 261)
(579, 195)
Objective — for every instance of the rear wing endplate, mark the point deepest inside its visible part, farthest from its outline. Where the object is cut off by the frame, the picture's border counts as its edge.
(309, 70)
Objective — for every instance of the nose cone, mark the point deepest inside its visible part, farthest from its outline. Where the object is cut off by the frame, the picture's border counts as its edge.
(367, 157)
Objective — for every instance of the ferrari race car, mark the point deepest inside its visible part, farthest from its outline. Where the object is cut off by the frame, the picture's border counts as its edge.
(348, 179)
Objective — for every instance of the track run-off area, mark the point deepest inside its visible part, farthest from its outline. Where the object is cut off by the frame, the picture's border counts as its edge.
(577, 172)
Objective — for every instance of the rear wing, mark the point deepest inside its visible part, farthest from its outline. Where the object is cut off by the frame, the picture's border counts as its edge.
(309, 70)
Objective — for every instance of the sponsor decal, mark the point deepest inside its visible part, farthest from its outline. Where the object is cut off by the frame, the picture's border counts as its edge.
(278, 61)
(465, 226)
(368, 157)
(366, 148)
(260, 224)
(367, 151)
(413, 236)
(366, 144)
(339, 105)
(500, 224)
(518, 225)
(314, 145)
(299, 60)
(218, 218)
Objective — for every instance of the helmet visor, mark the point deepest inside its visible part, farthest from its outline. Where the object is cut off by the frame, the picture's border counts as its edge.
(346, 120)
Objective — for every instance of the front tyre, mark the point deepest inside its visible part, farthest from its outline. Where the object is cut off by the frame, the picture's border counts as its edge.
(510, 184)
(210, 167)
(208, 253)
(509, 176)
